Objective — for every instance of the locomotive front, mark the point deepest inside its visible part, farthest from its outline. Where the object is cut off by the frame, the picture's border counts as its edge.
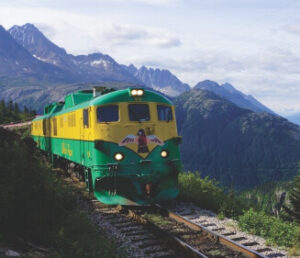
(135, 158)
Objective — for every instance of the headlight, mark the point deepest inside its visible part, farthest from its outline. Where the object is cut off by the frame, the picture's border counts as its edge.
(140, 92)
(119, 156)
(134, 92)
(164, 154)
(137, 92)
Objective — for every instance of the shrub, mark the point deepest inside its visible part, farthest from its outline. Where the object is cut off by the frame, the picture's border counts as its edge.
(209, 195)
(273, 229)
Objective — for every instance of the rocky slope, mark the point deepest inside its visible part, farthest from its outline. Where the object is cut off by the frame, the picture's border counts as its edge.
(159, 79)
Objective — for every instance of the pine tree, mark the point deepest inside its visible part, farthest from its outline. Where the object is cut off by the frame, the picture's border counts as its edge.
(2, 104)
(16, 108)
(294, 197)
(10, 105)
(26, 110)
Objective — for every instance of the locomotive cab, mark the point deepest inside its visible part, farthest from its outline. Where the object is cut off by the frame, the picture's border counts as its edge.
(138, 142)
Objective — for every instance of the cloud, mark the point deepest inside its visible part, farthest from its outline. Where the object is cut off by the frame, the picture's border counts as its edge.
(270, 75)
(292, 28)
(126, 34)
(147, 2)
(165, 41)
(200, 40)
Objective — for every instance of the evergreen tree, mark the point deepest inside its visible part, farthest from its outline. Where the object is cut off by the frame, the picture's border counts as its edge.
(2, 104)
(10, 105)
(26, 110)
(294, 197)
(16, 108)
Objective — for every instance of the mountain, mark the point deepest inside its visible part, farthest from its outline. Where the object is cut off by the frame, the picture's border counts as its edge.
(90, 68)
(295, 118)
(236, 146)
(160, 80)
(36, 97)
(16, 63)
(228, 92)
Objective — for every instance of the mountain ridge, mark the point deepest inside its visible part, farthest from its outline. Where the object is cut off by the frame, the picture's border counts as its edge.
(17, 62)
(98, 67)
(159, 79)
(228, 92)
(91, 68)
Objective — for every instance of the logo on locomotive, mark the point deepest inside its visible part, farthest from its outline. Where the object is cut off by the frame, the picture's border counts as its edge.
(141, 140)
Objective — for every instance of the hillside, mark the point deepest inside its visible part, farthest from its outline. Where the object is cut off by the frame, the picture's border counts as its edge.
(236, 146)
(40, 213)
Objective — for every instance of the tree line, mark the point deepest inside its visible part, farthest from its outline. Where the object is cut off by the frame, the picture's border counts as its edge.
(11, 112)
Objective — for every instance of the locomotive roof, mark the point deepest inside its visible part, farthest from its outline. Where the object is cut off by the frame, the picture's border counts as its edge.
(124, 96)
(82, 99)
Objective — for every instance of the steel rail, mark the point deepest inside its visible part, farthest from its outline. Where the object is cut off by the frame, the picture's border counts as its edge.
(188, 250)
(221, 239)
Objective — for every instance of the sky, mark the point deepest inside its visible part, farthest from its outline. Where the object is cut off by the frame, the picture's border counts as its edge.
(252, 44)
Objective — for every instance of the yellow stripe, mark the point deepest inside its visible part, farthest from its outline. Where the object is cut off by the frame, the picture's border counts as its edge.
(70, 126)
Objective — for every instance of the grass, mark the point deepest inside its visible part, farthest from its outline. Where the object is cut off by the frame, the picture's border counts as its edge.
(156, 219)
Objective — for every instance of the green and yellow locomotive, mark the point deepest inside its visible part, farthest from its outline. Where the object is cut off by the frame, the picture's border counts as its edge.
(125, 143)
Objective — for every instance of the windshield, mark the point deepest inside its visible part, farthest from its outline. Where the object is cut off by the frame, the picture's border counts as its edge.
(138, 112)
(108, 113)
(164, 113)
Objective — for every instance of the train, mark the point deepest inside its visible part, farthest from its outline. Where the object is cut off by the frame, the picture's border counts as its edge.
(123, 142)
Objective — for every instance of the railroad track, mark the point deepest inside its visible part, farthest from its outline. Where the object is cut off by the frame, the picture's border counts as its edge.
(206, 220)
(193, 240)
(131, 234)
(176, 232)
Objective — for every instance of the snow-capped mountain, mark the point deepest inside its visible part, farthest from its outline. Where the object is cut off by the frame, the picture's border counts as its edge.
(17, 63)
(25, 52)
(85, 68)
(159, 79)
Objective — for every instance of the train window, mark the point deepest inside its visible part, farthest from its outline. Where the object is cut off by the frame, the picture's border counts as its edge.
(71, 120)
(108, 113)
(139, 112)
(54, 126)
(86, 118)
(61, 122)
(164, 113)
(44, 127)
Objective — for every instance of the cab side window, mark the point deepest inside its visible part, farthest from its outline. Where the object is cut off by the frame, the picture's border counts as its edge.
(164, 113)
(108, 113)
(86, 118)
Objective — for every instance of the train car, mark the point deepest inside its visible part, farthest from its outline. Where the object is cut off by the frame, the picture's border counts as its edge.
(125, 143)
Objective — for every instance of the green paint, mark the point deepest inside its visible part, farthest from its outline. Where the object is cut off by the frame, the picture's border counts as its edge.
(80, 100)
(131, 175)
